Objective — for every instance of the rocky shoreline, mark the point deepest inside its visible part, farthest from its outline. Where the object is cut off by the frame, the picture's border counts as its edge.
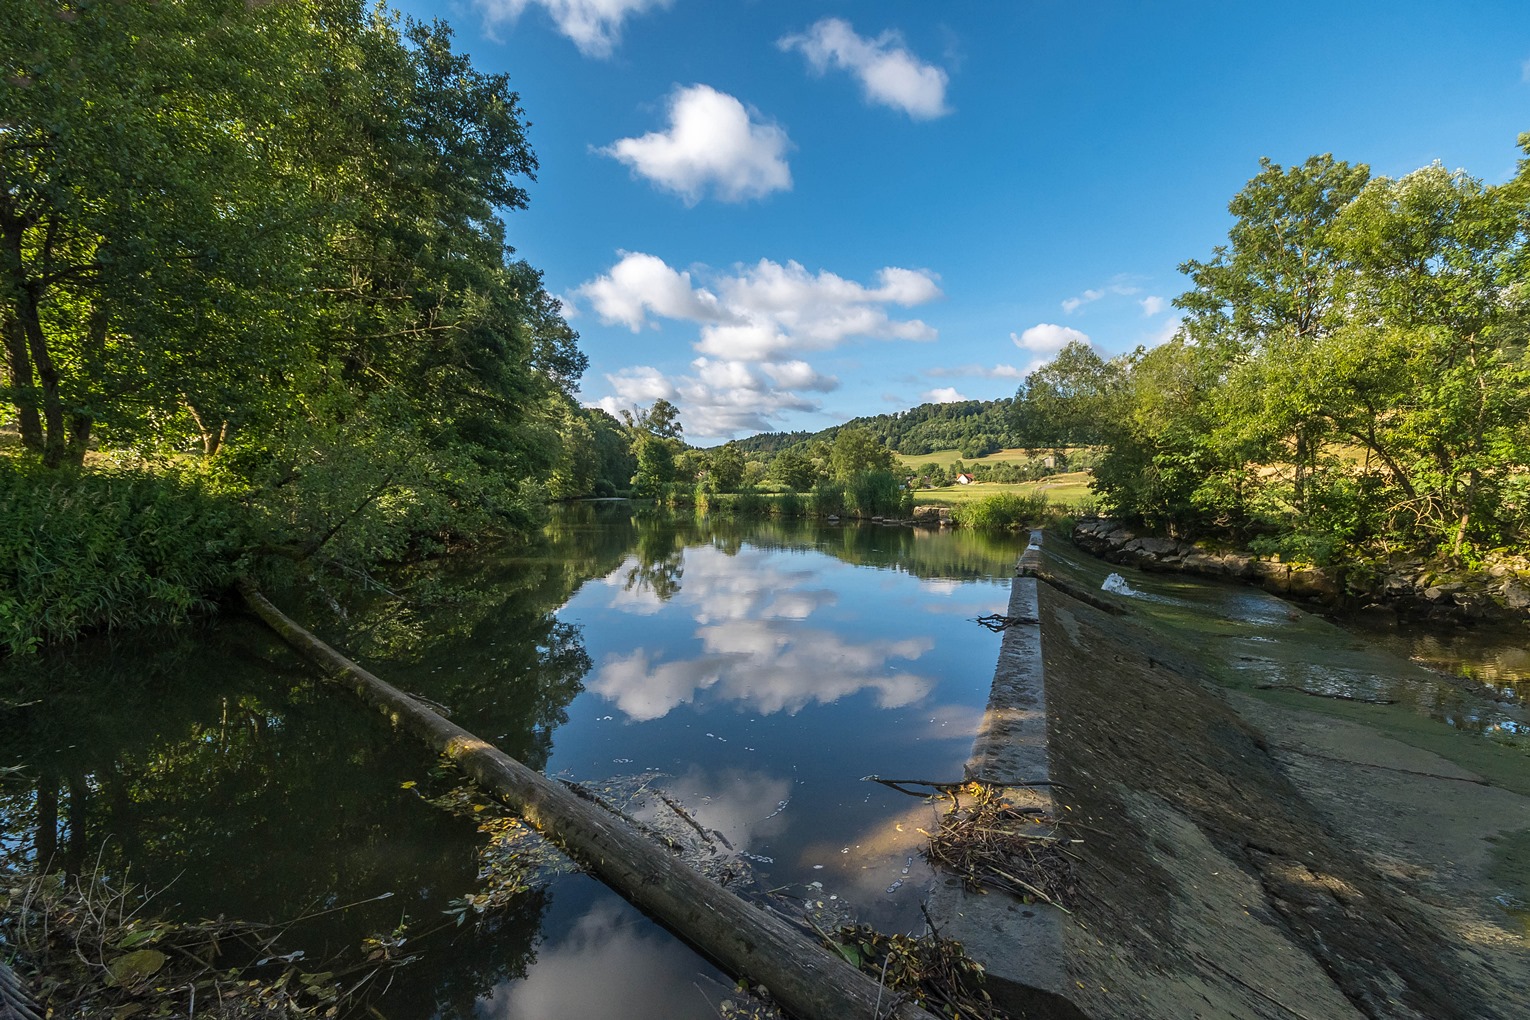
(1410, 588)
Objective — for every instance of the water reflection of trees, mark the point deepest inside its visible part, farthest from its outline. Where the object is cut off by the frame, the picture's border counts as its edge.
(949, 553)
(658, 557)
(209, 764)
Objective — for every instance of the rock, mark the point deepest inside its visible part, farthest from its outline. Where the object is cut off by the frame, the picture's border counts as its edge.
(1516, 595)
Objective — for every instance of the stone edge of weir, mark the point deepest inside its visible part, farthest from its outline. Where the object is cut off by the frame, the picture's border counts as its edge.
(1020, 945)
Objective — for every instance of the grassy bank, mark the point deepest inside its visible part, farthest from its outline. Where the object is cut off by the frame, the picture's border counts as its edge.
(1072, 488)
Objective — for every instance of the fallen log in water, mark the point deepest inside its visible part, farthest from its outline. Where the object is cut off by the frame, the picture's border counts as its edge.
(748, 941)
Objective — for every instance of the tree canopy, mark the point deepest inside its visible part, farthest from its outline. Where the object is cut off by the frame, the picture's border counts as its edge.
(1352, 372)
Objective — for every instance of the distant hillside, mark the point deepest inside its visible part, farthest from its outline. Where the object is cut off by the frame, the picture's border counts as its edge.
(967, 425)
(975, 427)
(771, 442)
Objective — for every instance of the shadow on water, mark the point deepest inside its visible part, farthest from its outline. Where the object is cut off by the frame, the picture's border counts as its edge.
(761, 669)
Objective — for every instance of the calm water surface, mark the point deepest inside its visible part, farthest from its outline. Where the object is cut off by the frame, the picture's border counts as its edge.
(756, 673)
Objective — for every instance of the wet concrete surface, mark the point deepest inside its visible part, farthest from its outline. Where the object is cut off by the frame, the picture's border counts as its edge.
(1248, 852)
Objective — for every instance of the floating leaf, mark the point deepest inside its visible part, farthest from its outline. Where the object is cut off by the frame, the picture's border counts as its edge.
(409, 785)
(128, 970)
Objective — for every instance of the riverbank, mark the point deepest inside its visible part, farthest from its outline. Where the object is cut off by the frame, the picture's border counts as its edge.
(1406, 588)
(1248, 849)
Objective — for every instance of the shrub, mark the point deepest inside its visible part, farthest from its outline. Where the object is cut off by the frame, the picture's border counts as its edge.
(827, 498)
(102, 550)
(878, 493)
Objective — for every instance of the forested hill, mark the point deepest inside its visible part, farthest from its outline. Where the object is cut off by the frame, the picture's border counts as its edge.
(976, 427)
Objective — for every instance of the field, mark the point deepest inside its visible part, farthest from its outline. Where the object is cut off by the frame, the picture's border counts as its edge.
(1069, 488)
(949, 457)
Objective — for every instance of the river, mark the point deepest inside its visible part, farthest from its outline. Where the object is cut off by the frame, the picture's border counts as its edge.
(755, 673)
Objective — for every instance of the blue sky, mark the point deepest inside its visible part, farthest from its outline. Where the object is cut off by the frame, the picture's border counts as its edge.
(781, 215)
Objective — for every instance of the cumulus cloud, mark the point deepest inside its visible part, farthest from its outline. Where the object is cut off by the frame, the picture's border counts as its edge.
(799, 375)
(714, 144)
(750, 322)
(594, 26)
(720, 399)
(889, 74)
(764, 311)
(1046, 338)
(640, 285)
(943, 395)
(1153, 305)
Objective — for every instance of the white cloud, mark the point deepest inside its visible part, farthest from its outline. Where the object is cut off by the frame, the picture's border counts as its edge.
(1153, 305)
(751, 320)
(761, 312)
(1047, 338)
(722, 398)
(713, 143)
(943, 395)
(1117, 287)
(1073, 304)
(778, 308)
(799, 375)
(595, 26)
(976, 372)
(1166, 332)
(889, 74)
(640, 284)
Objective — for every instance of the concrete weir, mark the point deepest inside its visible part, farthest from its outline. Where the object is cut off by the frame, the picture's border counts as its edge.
(1240, 856)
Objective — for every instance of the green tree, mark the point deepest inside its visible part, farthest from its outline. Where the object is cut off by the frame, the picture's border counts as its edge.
(150, 227)
(725, 468)
(856, 450)
(794, 469)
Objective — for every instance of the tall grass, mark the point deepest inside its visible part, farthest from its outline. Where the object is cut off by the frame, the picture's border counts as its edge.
(105, 549)
(1003, 511)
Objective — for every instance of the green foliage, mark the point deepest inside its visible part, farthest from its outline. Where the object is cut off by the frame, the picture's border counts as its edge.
(110, 549)
(856, 451)
(877, 493)
(273, 234)
(1353, 375)
(827, 498)
(1003, 511)
(725, 468)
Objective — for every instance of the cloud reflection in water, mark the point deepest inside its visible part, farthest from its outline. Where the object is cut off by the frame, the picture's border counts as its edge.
(757, 653)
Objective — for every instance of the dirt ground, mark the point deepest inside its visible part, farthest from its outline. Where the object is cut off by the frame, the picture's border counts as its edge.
(1244, 857)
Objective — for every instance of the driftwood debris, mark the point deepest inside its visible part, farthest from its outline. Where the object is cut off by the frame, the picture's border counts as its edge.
(746, 940)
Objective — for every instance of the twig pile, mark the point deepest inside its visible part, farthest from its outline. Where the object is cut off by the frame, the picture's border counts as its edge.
(83, 949)
(991, 844)
(933, 972)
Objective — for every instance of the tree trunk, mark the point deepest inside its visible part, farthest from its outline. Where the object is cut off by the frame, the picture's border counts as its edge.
(47, 377)
(23, 387)
(1466, 514)
(211, 441)
(805, 978)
